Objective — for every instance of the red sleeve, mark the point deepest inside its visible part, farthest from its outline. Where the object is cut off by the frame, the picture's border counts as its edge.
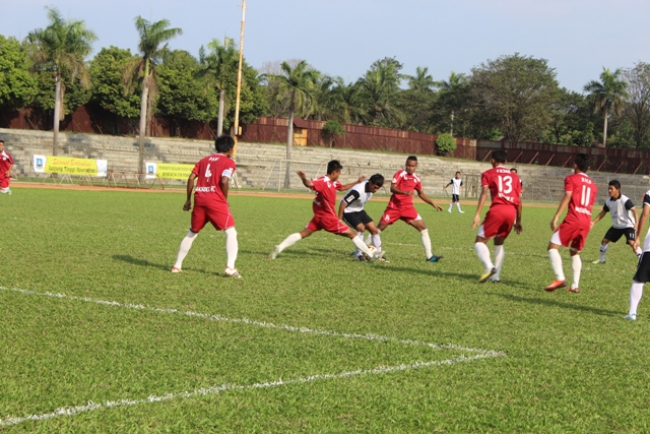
(11, 159)
(396, 177)
(418, 185)
(317, 185)
(485, 179)
(338, 185)
(568, 184)
(196, 169)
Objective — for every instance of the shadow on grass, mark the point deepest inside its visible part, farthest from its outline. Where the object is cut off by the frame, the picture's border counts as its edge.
(432, 272)
(145, 263)
(555, 303)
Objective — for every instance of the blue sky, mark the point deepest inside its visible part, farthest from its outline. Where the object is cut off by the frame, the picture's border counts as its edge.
(343, 37)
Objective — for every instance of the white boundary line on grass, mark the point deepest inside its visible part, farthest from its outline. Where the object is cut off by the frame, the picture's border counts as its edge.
(247, 321)
(91, 406)
(215, 390)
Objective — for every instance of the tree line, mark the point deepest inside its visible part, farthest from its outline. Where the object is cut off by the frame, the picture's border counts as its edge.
(514, 97)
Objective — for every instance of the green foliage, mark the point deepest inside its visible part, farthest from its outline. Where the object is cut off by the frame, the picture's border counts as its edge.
(332, 129)
(517, 91)
(379, 88)
(637, 109)
(107, 84)
(17, 85)
(445, 144)
(608, 95)
(181, 95)
(76, 94)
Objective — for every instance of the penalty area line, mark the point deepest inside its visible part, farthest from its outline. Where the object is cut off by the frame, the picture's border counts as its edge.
(215, 390)
(263, 324)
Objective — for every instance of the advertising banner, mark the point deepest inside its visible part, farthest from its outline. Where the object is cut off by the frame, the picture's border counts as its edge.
(69, 166)
(168, 171)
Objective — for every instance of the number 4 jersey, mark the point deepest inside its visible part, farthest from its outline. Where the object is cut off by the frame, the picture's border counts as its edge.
(583, 195)
(505, 188)
(209, 172)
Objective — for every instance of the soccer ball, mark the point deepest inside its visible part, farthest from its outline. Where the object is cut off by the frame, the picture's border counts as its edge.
(373, 251)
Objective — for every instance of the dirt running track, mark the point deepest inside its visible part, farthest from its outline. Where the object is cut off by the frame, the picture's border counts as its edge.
(233, 192)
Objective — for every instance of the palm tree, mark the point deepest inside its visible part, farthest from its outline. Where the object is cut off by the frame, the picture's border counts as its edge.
(448, 93)
(422, 81)
(61, 48)
(152, 35)
(379, 88)
(220, 69)
(609, 95)
(296, 87)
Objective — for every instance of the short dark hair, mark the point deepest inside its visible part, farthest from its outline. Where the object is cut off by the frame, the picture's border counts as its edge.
(334, 166)
(514, 169)
(377, 179)
(457, 172)
(614, 183)
(2, 141)
(583, 162)
(499, 155)
(412, 158)
(224, 143)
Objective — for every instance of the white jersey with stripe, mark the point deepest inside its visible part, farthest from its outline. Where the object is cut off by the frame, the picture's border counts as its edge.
(621, 212)
(456, 184)
(356, 198)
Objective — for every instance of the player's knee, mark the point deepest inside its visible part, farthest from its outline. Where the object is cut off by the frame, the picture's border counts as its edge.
(231, 231)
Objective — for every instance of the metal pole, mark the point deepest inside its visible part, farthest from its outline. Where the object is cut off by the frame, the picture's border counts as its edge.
(241, 59)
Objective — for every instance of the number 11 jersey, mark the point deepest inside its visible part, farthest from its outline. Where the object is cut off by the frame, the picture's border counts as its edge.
(583, 196)
(505, 188)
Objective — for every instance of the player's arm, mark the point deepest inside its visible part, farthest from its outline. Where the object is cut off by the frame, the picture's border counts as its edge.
(352, 184)
(395, 190)
(347, 200)
(560, 209)
(225, 185)
(642, 221)
(518, 227)
(481, 201)
(190, 187)
(11, 166)
(425, 198)
(305, 181)
(600, 216)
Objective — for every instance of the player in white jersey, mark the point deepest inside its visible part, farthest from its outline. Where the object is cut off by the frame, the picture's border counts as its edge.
(456, 183)
(351, 210)
(643, 269)
(624, 219)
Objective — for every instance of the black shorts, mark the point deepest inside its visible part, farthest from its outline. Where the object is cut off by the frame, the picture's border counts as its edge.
(455, 198)
(643, 269)
(614, 234)
(354, 218)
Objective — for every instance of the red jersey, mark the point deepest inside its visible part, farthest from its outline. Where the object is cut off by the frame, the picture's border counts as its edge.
(209, 171)
(405, 182)
(5, 164)
(505, 186)
(325, 200)
(583, 195)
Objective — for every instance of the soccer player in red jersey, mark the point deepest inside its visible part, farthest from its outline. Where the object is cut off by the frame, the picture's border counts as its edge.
(325, 216)
(6, 163)
(211, 202)
(579, 194)
(505, 211)
(400, 207)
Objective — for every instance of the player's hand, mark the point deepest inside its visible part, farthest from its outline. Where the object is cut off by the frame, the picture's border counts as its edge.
(361, 179)
(476, 222)
(301, 174)
(518, 228)
(437, 207)
(637, 243)
(553, 225)
(187, 206)
(591, 225)
(411, 193)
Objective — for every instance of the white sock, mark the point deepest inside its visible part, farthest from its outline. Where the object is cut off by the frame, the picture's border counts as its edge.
(576, 266)
(5, 190)
(636, 292)
(458, 206)
(376, 241)
(186, 244)
(639, 252)
(483, 254)
(289, 241)
(232, 246)
(556, 263)
(368, 238)
(426, 242)
(499, 255)
(361, 246)
(603, 251)
(451, 205)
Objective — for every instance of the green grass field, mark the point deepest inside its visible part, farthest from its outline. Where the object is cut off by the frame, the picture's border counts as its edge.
(310, 342)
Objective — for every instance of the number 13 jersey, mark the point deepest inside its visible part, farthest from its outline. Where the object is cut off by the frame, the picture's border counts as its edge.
(505, 188)
(209, 172)
(583, 196)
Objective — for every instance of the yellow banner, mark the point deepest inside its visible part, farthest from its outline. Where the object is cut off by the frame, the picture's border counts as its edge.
(168, 171)
(69, 166)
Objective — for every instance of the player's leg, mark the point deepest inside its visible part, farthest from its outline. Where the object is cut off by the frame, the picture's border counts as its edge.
(499, 256)
(198, 221)
(483, 254)
(457, 200)
(294, 238)
(451, 203)
(359, 244)
(630, 236)
(4, 186)
(361, 229)
(641, 276)
(374, 235)
(418, 224)
(604, 246)
(576, 268)
(556, 263)
(354, 221)
(232, 249)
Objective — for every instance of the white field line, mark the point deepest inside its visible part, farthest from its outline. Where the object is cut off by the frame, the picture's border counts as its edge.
(247, 321)
(91, 406)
